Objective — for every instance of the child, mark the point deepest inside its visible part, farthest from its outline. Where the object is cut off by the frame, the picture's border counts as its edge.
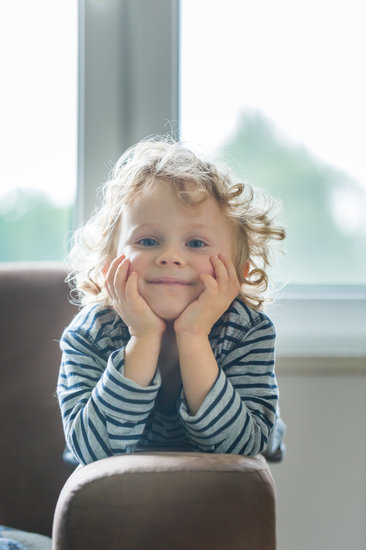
(171, 348)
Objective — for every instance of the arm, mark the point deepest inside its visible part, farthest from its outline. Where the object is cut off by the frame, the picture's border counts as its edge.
(146, 328)
(238, 414)
(103, 412)
(229, 411)
(106, 393)
(198, 365)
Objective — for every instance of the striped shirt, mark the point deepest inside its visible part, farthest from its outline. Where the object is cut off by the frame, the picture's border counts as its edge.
(104, 413)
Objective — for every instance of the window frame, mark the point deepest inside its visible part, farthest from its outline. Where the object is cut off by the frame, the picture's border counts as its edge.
(128, 90)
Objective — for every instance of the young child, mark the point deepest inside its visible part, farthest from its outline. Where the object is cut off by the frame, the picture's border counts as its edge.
(171, 348)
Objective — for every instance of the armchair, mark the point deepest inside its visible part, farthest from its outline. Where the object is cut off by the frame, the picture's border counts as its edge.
(158, 500)
(168, 500)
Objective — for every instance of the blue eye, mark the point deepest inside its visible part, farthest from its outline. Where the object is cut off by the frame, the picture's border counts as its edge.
(148, 241)
(196, 243)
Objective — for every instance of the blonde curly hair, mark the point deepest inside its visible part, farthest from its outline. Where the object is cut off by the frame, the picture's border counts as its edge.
(159, 159)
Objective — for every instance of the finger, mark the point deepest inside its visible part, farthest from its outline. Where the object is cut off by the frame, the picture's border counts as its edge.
(120, 278)
(233, 281)
(209, 282)
(110, 280)
(113, 268)
(230, 268)
(131, 287)
(132, 294)
(221, 273)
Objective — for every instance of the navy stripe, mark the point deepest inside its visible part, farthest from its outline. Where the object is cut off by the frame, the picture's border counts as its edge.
(71, 396)
(241, 434)
(85, 437)
(258, 351)
(93, 350)
(74, 386)
(213, 404)
(125, 399)
(106, 450)
(127, 424)
(125, 387)
(247, 386)
(222, 413)
(262, 402)
(83, 375)
(98, 412)
(119, 410)
(129, 437)
(76, 448)
(224, 427)
(267, 374)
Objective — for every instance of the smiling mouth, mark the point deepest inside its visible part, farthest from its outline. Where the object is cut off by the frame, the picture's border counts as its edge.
(169, 282)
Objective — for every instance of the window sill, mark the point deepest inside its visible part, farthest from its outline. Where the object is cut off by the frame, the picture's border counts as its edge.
(320, 322)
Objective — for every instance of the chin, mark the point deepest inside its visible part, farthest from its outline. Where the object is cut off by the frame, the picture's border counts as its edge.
(167, 313)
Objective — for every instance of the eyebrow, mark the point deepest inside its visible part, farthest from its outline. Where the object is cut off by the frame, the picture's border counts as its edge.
(156, 225)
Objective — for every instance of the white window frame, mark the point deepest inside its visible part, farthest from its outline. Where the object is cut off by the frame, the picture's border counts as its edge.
(128, 89)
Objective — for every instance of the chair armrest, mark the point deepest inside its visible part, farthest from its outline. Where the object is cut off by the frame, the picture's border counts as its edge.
(168, 500)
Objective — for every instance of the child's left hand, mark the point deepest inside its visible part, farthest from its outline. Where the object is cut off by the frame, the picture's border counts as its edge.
(199, 317)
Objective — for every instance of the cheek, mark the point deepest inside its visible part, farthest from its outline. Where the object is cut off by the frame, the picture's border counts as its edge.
(204, 265)
(137, 261)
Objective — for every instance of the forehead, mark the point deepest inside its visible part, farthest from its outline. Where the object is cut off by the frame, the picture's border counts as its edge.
(160, 204)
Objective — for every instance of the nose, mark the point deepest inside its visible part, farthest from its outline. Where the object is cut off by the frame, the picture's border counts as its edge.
(170, 257)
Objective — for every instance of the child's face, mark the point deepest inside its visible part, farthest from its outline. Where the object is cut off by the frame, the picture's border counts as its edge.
(169, 244)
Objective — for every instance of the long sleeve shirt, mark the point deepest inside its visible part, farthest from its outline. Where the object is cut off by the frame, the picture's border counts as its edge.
(104, 413)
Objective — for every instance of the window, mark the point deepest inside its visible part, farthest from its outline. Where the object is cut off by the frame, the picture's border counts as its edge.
(278, 89)
(38, 127)
(129, 89)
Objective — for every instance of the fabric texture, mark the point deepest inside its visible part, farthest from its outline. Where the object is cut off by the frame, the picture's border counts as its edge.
(105, 413)
(15, 539)
(168, 501)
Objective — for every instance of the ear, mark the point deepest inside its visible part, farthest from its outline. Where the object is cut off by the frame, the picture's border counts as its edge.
(246, 269)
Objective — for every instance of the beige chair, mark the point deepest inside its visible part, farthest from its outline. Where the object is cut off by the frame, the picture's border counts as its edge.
(158, 500)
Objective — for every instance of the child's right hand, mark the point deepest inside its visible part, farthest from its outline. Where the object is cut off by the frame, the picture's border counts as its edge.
(128, 302)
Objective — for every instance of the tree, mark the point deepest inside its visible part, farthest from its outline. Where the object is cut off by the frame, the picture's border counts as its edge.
(320, 248)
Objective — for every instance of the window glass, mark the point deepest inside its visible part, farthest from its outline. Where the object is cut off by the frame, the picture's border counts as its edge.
(277, 90)
(38, 49)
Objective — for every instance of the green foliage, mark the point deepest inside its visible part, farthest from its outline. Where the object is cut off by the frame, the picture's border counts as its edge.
(32, 227)
(320, 248)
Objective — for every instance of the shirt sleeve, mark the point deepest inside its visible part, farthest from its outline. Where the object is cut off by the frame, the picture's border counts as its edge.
(103, 412)
(238, 414)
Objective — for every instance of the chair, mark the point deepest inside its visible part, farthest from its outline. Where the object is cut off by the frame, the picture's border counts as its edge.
(157, 500)
(168, 501)
(33, 312)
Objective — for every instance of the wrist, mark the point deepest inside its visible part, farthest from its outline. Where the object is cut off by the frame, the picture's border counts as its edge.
(141, 358)
(191, 339)
(146, 339)
(191, 332)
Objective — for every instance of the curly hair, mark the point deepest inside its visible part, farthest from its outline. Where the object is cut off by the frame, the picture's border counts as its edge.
(158, 159)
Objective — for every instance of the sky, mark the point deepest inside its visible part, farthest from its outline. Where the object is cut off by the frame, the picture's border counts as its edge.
(300, 63)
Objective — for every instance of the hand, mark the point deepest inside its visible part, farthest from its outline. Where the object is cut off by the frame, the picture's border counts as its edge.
(127, 301)
(199, 317)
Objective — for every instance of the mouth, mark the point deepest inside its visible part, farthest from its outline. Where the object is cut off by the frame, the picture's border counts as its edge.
(169, 281)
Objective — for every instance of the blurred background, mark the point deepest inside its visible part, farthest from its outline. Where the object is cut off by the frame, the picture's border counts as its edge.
(277, 91)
